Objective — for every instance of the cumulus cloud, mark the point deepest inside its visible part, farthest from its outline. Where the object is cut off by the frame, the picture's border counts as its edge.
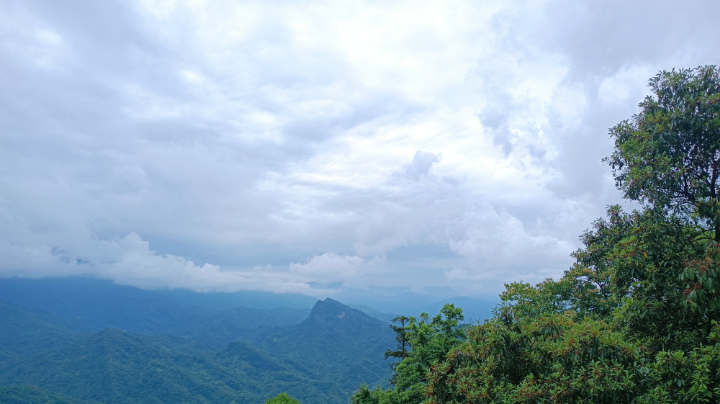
(275, 146)
(328, 267)
(420, 165)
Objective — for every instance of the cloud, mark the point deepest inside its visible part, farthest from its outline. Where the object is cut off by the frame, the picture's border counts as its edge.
(420, 165)
(328, 268)
(130, 261)
(413, 144)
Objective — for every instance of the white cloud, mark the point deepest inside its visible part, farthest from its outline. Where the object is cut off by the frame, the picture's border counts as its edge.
(130, 261)
(626, 86)
(420, 165)
(328, 268)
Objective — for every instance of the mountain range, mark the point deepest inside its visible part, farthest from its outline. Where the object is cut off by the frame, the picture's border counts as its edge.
(79, 340)
(154, 351)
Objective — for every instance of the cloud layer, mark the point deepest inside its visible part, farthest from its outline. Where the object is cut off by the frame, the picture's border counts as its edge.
(319, 146)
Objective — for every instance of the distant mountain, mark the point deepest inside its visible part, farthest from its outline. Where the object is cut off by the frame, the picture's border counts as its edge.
(322, 359)
(276, 375)
(115, 367)
(102, 303)
(69, 295)
(26, 331)
(386, 317)
(220, 329)
(335, 339)
(244, 298)
(95, 305)
(35, 395)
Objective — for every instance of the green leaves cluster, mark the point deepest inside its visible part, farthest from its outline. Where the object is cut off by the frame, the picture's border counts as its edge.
(668, 155)
(551, 359)
(620, 326)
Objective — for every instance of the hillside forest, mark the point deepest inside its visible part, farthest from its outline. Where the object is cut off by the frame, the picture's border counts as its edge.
(634, 320)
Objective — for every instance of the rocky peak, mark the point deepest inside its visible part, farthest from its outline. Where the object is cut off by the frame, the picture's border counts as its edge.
(332, 314)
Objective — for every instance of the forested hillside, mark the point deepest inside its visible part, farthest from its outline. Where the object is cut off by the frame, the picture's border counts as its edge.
(97, 304)
(335, 340)
(32, 395)
(321, 360)
(26, 331)
(114, 367)
(93, 340)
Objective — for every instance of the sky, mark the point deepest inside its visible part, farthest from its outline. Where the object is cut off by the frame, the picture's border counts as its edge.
(330, 148)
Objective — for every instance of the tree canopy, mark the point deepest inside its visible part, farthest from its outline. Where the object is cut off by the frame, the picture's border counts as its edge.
(668, 154)
(282, 398)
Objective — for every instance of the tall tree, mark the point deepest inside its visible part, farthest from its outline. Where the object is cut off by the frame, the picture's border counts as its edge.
(403, 344)
(668, 155)
(402, 350)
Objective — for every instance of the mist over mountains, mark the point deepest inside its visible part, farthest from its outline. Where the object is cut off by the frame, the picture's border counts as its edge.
(71, 297)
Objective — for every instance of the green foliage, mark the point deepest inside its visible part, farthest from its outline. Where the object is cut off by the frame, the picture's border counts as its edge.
(282, 398)
(630, 274)
(429, 341)
(702, 281)
(550, 358)
(401, 337)
(668, 155)
(634, 320)
(560, 341)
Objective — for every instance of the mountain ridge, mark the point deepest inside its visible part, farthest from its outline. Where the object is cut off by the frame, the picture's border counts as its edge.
(322, 359)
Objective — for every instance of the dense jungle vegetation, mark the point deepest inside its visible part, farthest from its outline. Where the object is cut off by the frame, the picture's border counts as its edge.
(635, 320)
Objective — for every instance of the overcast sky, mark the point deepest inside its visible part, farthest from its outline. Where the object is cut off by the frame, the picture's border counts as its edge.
(321, 147)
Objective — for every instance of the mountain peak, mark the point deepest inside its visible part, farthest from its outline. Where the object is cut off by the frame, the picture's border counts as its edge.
(330, 313)
(328, 309)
